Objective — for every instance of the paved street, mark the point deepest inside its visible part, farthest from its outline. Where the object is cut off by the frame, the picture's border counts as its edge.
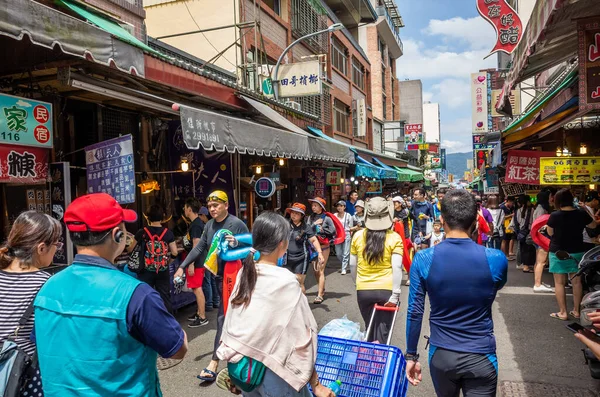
(537, 355)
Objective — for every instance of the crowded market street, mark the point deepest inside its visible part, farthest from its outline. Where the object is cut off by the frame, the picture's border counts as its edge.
(537, 355)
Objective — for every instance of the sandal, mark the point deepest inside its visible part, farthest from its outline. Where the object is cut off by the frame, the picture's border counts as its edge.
(211, 377)
(318, 300)
(556, 316)
(572, 314)
(530, 270)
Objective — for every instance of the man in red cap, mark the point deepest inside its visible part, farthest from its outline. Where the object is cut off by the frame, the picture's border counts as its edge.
(98, 330)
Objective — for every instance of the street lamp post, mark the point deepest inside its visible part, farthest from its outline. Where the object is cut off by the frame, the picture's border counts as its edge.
(332, 28)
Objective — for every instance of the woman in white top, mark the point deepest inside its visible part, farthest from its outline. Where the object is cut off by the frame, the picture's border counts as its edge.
(269, 319)
(342, 251)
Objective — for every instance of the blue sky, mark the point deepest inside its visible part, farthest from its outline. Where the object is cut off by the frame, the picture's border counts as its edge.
(445, 41)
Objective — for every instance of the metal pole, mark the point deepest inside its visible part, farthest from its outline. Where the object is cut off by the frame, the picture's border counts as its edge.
(240, 25)
(275, 81)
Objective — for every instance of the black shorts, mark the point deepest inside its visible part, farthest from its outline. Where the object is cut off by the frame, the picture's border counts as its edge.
(297, 266)
(473, 374)
(509, 236)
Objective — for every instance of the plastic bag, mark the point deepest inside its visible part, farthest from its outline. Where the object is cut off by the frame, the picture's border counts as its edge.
(342, 328)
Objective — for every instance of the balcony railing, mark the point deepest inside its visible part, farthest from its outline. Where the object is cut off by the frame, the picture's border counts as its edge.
(382, 11)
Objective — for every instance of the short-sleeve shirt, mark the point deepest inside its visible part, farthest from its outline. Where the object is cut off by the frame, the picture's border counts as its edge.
(194, 231)
(298, 240)
(371, 276)
(568, 227)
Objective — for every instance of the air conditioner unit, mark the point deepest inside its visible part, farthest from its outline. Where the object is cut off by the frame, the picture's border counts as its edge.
(294, 105)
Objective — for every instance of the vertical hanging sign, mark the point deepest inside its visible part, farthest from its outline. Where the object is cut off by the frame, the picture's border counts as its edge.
(60, 198)
(508, 25)
(588, 32)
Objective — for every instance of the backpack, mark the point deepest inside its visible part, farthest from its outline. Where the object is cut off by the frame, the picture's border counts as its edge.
(157, 252)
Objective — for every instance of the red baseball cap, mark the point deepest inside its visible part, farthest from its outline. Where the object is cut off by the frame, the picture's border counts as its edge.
(96, 212)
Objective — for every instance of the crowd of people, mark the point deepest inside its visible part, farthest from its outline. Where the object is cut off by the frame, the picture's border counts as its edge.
(123, 323)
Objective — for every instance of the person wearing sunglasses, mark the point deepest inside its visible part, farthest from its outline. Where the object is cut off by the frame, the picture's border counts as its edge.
(218, 206)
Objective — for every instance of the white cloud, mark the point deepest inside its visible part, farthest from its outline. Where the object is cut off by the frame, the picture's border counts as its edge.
(454, 146)
(427, 96)
(455, 93)
(475, 32)
(456, 135)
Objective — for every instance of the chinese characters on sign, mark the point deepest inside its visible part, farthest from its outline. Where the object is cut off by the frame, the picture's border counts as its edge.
(570, 170)
(60, 199)
(315, 182)
(523, 166)
(479, 145)
(20, 164)
(333, 177)
(479, 113)
(589, 64)
(491, 185)
(413, 135)
(201, 128)
(25, 122)
(505, 20)
(110, 169)
(299, 79)
(514, 99)
(361, 119)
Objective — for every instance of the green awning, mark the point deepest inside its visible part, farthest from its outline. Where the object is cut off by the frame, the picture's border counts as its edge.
(109, 26)
(408, 175)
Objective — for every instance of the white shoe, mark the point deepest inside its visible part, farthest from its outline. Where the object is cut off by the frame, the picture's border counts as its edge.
(544, 288)
(344, 272)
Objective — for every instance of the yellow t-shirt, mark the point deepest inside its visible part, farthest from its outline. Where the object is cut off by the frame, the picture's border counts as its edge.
(378, 275)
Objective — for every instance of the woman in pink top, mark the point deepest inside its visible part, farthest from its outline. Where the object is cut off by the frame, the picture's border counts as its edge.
(269, 319)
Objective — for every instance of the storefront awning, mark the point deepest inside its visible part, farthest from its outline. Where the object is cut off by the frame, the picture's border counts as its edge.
(50, 28)
(320, 149)
(383, 173)
(216, 131)
(408, 175)
(368, 171)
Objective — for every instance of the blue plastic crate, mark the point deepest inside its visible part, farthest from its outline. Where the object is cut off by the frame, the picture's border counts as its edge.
(365, 369)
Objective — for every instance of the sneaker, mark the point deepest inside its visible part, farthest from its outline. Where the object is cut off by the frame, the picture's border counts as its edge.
(198, 322)
(519, 267)
(344, 272)
(544, 288)
(193, 317)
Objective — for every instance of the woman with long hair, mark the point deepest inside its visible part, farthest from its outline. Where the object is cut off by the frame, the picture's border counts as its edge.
(376, 263)
(541, 256)
(30, 247)
(325, 231)
(269, 319)
(566, 226)
(522, 221)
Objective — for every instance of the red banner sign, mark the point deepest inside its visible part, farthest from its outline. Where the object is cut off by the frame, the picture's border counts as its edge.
(523, 166)
(508, 25)
(589, 64)
(20, 164)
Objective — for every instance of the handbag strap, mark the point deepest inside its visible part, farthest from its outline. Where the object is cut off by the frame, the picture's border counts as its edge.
(25, 317)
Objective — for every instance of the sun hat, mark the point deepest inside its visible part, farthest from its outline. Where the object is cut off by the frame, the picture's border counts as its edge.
(319, 201)
(341, 202)
(360, 203)
(96, 212)
(398, 199)
(379, 214)
(297, 207)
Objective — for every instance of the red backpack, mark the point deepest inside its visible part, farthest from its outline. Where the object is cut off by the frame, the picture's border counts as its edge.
(340, 231)
(157, 251)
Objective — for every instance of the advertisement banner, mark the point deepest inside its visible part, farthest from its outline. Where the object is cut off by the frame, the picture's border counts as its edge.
(491, 185)
(300, 79)
(433, 147)
(333, 177)
(588, 32)
(515, 102)
(570, 170)
(413, 134)
(374, 187)
(25, 122)
(478, 145)
(60, 198)
(479, 113)
(436, 163)
(443, 156)
(413, 146)
(481, 158)
(110, 168)
(523, 166)
(508, 25)
(361, 119)
(20, 164)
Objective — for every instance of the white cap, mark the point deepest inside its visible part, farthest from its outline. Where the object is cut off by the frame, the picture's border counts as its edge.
(398, 199)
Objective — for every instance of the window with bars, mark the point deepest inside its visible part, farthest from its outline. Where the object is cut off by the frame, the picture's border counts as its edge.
(305, 20)
(339, 59)
(358, 73)
(383, 77)
(116, 123)
(340, 116)
(384, 105)
(318, 105)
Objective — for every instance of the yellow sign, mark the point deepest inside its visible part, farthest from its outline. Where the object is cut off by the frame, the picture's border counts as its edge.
(569, 170)
(424, 146)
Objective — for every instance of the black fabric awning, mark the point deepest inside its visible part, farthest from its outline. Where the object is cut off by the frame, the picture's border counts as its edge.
(215, 131)
(48, 28)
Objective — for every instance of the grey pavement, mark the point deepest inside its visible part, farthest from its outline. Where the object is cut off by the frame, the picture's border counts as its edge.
(537, 355)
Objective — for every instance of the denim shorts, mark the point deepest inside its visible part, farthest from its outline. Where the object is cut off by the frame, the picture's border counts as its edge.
(273, 386)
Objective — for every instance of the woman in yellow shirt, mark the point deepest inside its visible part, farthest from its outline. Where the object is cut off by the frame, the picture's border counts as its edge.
(376, 264)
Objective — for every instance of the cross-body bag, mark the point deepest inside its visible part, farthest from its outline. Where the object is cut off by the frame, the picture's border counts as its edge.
(17, 368)
(247, 374)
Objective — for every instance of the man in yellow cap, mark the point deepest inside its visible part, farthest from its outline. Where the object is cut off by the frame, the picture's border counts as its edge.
(218, 205)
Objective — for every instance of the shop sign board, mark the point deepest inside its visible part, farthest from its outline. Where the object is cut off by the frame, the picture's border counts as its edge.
(333, 177)
(413, 135)
(481, 158)
(491, 185)
(374, 187)
(588, 32)
(22, 164)
(506, 21)
(478, 143)
(300, 79)
(25, 122)
(315, 182)
(514, 99)
(436, 162)
(110, 168)
(570, 170)
(265, 187)
(60, 189)
(479, 105)
(490, 120)
(443, 156)
(361, 119)
(523, 166)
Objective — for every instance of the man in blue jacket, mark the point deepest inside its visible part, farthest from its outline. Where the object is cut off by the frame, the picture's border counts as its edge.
(421, 211)
(461, 279)
(98, 330)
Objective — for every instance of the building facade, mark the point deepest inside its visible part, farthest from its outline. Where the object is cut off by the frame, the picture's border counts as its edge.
(431, 122)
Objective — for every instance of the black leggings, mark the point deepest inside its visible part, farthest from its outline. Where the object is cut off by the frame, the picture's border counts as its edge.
(382, 323)
(161, 282)
(220, 317)
(527, 253)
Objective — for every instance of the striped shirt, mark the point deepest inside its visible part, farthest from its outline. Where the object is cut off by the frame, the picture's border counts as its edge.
(17, 291)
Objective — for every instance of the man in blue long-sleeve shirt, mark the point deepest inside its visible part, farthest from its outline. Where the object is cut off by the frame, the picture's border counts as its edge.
(421, 211)
(462, 279)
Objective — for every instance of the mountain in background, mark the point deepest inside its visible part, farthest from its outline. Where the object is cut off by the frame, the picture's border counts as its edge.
(456, 163)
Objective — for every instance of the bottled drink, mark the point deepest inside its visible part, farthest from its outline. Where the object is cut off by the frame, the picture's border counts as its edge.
(336, 387)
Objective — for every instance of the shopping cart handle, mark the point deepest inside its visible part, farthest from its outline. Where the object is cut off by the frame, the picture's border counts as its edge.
(387, 308)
